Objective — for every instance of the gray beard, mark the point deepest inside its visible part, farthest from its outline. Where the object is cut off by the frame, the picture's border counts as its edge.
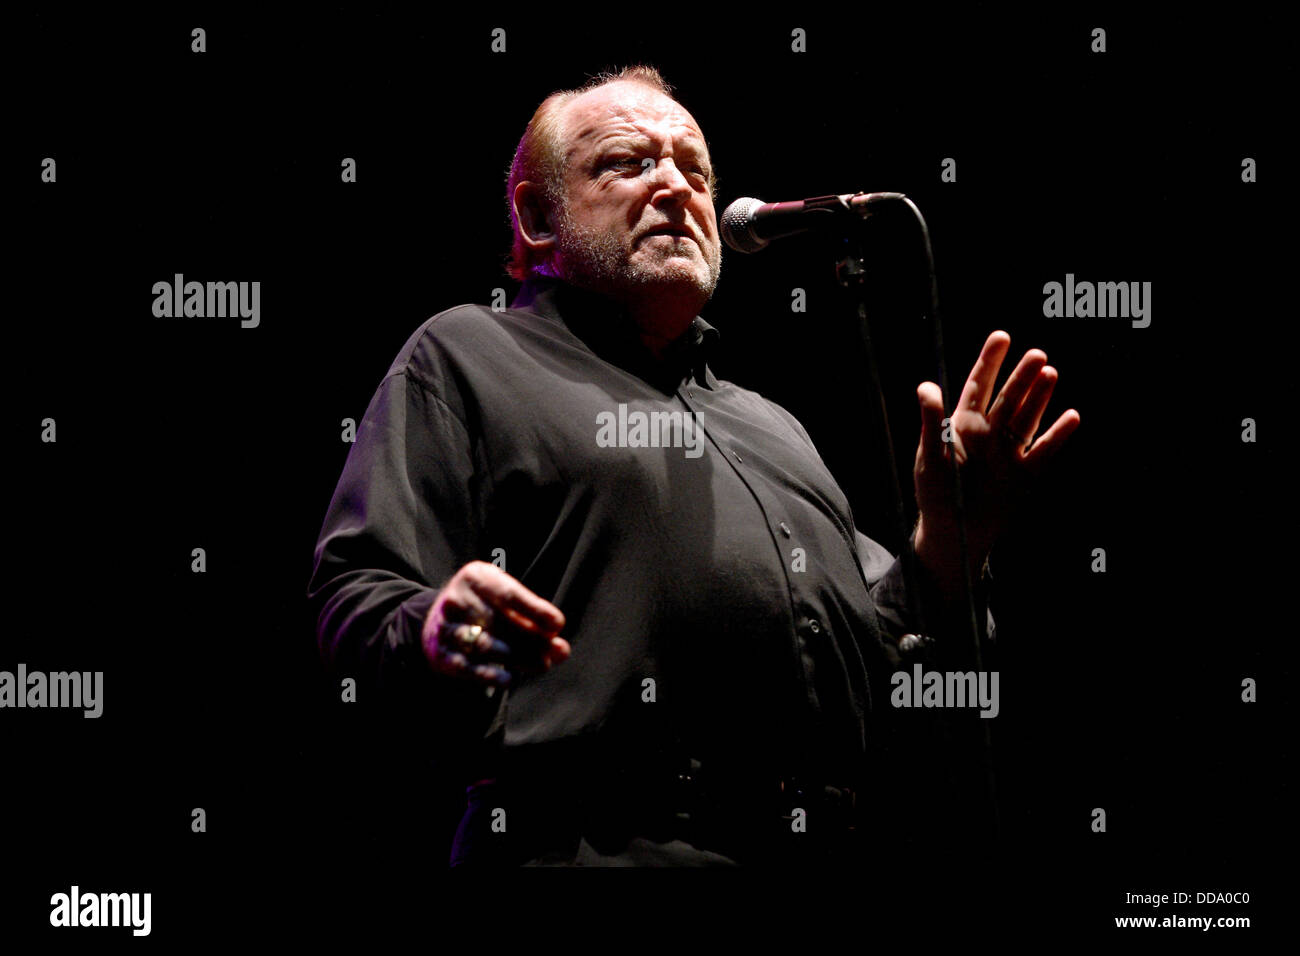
(599, 261)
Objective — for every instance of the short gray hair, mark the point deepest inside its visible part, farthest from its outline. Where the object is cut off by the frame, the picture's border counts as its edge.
(539, 158)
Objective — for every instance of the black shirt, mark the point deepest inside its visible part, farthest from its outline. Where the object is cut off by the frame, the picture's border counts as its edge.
(719, 600)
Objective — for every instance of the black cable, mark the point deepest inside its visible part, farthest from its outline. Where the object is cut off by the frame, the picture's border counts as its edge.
(959, 503)
(856, 271)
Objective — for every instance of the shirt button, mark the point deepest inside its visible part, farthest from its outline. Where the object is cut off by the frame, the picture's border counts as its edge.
(784, 530)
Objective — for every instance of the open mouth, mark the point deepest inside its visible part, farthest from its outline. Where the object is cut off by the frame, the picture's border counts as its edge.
(669, 231)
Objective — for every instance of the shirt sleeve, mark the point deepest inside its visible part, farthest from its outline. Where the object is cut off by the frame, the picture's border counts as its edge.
(400, 524)
(939, 624)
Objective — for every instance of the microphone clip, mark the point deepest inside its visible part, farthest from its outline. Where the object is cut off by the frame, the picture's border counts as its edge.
(861, 203)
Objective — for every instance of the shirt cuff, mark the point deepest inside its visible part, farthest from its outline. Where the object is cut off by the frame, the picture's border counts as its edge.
(458, 712)
(923, 624)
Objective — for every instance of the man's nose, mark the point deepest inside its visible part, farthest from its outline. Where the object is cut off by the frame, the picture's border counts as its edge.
(670, 185)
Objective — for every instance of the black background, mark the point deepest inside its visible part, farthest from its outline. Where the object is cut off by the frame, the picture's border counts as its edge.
(1120, 690)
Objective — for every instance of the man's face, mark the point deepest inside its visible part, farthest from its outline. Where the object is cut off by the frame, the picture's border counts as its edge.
(639, 219)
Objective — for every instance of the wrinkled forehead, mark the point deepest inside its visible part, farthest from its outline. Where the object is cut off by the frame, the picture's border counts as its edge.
(624, 109)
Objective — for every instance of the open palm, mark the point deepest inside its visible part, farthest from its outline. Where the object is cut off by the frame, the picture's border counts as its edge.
(993, 445)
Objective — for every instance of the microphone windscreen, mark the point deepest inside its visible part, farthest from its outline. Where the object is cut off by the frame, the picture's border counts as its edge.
(737, 226)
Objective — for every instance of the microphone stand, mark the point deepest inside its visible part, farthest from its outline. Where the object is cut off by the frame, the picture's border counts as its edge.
(851, 273)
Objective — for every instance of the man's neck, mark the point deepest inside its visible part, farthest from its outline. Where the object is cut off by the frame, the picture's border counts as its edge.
(658, 317)
(661, 321)
(611, 330)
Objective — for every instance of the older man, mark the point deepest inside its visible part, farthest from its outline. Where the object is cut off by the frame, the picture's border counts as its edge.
(676, 663)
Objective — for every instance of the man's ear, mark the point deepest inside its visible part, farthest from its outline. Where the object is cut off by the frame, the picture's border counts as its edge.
(535, 227)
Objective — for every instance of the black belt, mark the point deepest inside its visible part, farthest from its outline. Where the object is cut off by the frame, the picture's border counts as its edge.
(751, 815)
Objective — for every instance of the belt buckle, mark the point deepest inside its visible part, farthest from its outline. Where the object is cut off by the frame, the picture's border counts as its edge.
(686, 789)
(821, 795)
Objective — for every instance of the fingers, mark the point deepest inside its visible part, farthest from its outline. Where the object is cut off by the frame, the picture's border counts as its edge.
(482, 593)
(506, 595)
(1024, 379)
(472, 652)
(1024, 422)
(1000, 441)
(474, 640)
(486, 626)
(462, 665)
(1051, 440)
(930, 451)
(461, 603)
(977, 391)
(528, 623)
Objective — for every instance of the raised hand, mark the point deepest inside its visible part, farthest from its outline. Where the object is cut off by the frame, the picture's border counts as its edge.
(995, 447)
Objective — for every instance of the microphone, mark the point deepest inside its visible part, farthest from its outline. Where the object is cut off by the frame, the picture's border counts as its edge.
(750, 224)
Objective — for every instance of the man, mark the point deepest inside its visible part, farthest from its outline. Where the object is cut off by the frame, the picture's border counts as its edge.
(676, 665)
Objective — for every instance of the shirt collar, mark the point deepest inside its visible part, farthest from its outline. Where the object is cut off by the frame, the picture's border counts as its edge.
(603, 325)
